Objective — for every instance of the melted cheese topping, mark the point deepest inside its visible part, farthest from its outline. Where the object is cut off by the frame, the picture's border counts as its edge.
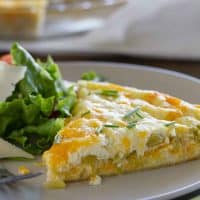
(103, 125)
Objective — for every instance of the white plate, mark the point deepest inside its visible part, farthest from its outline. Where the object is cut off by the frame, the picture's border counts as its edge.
(164, 183)
(67, 19)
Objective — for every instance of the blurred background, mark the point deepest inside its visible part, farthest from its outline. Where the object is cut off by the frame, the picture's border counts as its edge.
(162, 33)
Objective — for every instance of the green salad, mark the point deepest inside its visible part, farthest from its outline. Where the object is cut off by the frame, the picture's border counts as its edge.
(36, 110)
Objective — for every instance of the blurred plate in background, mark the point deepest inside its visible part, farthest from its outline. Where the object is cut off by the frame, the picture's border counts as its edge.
(28, 20)
(66, 17)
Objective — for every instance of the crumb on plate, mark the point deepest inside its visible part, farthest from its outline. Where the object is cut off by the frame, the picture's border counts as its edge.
(95, 180)
(23, 170)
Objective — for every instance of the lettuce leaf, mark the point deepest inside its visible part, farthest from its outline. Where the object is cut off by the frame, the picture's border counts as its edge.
(40, 78)
(35, 112)
(92, 76)
(26, 123)
(65, 104)
(38, 138)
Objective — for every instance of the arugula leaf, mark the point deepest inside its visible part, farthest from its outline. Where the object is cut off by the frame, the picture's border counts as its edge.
(92, 76)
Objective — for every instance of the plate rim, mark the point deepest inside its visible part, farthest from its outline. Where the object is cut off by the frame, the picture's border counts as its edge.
(135, 66)
(174, 193)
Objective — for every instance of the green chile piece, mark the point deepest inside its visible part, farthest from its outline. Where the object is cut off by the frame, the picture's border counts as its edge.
(155, 139)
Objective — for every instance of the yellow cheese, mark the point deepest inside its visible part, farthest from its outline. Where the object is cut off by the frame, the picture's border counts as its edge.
(113, 129)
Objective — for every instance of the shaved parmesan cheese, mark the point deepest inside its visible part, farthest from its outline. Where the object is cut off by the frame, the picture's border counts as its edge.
(8, 150)
(9, 77)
